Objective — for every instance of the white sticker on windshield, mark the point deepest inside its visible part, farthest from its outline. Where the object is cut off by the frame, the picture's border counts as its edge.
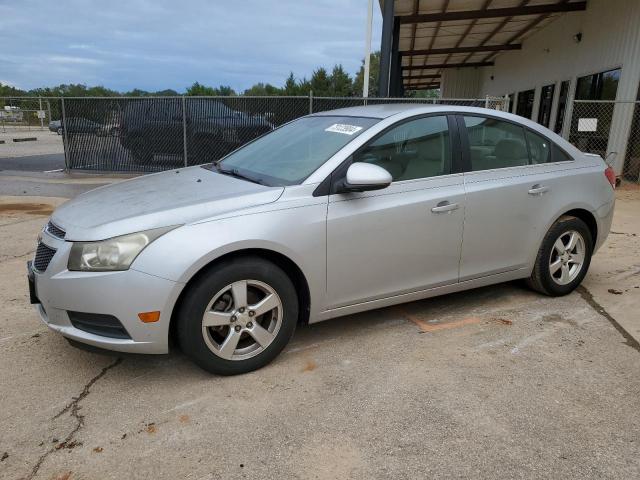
(343, 128)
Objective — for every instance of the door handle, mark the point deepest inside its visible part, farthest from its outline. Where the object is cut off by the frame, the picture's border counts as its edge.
(538, 189)
(445, 207)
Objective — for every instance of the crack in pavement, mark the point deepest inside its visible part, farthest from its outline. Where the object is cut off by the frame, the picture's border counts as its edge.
(74, 408)
(587, 296)
(6, 258)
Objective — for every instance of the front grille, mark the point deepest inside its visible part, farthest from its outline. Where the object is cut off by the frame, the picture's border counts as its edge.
(98, 324)
(44, 254)
(56, 231)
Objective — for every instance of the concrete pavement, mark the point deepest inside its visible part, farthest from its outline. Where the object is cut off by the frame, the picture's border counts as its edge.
(498, 382)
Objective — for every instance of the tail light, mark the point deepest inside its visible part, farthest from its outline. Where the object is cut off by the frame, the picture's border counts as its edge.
(611, 176)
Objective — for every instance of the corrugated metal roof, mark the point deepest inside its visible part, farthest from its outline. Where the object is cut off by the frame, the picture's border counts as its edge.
(466, 32)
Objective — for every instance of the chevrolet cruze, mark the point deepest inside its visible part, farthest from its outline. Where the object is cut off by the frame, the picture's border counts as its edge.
(331, 214)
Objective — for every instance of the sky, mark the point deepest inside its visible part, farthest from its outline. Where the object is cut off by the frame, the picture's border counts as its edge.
(158, 44)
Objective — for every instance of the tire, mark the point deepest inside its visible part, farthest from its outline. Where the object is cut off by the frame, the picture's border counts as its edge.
(555, 273)
(59, 131)
(212, 347)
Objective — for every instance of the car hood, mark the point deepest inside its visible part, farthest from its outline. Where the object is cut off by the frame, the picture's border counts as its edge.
(175, 197)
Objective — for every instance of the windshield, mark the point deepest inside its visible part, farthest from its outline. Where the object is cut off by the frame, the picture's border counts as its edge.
(291, 153)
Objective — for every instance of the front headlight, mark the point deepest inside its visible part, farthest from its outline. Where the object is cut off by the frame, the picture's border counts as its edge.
(113, 254)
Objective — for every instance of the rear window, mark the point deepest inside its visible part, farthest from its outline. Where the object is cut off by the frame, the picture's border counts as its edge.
(559, 155)
(539, 148)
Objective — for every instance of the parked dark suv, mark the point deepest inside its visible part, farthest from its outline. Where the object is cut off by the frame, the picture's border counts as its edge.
(156, 127)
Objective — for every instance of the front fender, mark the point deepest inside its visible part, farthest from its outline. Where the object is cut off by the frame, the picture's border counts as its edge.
(297, 233)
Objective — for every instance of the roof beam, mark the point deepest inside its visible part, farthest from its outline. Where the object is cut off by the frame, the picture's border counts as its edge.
(421, 77)
(494, 13)
(424, 86)
(526, 29)
(481, 48)
(448, 65)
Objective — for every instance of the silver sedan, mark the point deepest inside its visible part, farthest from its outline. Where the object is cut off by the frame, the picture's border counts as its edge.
(331, 214)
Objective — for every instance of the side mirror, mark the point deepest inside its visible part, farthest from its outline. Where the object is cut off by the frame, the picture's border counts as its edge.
(362, 177)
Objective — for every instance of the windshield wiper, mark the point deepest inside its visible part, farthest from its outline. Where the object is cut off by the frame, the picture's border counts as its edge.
(234, 172)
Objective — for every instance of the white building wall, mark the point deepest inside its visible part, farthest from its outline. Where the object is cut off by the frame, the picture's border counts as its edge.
(610, 39)
(462, 83)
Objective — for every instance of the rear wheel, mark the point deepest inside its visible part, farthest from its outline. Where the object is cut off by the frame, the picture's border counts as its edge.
(563, 258)
(239, 317)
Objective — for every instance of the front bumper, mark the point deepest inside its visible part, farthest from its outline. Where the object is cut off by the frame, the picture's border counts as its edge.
(121, 294)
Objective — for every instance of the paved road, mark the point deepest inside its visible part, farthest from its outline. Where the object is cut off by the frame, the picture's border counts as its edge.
(33, 163)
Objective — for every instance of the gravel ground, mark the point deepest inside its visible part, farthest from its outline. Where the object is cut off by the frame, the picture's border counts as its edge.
(497, 382)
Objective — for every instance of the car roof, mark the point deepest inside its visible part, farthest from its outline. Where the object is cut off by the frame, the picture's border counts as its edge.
(409, 109)
(385, 110)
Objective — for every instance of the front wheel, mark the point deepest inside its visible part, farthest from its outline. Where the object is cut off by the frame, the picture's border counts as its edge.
(563, 258)
(238, 317)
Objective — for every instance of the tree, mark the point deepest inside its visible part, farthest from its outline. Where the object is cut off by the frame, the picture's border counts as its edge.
(320, 83)
(291, 87)
(262, 90)
(374, 74)
(197, 89)
(341, 84)
(431, 93)
(9, 91)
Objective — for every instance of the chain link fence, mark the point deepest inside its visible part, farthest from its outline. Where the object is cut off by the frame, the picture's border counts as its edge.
(23, 114)
(610, 129)
(147, 134)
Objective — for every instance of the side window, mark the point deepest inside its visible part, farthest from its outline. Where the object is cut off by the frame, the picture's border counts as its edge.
(416, 149)
(560, 155)
(495, 144)
(539, 148)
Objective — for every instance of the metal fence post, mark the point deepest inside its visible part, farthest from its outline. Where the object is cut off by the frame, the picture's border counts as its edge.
(41, 119)
(65, 140)
(310, 101)
(184, 130)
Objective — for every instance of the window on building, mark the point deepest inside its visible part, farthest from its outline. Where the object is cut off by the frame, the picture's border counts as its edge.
(599, 86)
(546, 100)
(512, 99)
(525, 103)
(495, 144)
(562, 107)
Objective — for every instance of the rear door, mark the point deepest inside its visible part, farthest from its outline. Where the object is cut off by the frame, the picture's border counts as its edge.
(510, 183)
(406, 237)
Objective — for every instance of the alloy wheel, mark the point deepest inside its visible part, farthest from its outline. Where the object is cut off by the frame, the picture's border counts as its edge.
(242, 320)
(567, 257)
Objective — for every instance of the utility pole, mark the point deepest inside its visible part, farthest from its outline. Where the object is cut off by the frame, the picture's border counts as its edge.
(367, 51)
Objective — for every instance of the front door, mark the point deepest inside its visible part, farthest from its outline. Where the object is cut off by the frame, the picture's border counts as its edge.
(406, 237)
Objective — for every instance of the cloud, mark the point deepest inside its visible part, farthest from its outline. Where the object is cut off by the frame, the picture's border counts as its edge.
(73, 60)
(126, 44)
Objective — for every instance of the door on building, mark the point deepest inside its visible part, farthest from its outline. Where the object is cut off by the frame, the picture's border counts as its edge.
(525, 103)
(595, 95)
(546, 100)
(562, 106)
